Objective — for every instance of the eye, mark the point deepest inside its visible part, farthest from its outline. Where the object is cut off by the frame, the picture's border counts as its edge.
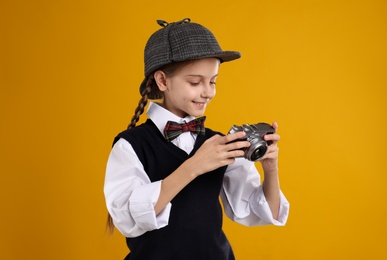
(213, 83)
(194, 83)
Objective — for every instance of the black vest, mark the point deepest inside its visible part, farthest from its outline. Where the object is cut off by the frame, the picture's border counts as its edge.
(195, 224)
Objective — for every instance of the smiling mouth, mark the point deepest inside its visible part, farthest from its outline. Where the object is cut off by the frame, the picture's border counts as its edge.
(200, 104)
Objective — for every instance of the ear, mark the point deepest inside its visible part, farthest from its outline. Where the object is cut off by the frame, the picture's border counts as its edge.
(161, 80)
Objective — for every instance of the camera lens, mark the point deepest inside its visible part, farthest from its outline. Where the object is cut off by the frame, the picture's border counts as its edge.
(258, 153)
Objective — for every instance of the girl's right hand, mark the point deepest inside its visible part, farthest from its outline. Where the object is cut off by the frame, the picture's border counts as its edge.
(215, 152)
(218, 151)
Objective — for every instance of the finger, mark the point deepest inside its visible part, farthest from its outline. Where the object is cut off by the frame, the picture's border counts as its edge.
(228, 161)
(272, 149)
(236, 141)
(238, 145)
(275, 126)
(272, 137)
(273, 154)
(232, 137)
(233, 153)
(214, 138)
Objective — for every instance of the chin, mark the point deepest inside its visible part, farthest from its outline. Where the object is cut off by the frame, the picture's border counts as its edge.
(197, 114)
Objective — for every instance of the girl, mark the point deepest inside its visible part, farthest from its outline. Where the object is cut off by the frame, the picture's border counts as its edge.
(163, 180)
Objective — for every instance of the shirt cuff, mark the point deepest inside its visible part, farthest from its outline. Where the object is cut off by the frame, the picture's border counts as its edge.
(141, 206)
(261, 208)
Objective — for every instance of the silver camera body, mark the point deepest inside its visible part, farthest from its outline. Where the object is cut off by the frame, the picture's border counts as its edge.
(254, 134)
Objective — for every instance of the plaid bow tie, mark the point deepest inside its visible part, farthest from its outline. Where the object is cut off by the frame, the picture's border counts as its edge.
(173, 129)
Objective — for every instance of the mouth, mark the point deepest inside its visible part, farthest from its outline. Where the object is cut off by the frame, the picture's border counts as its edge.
(199, 104)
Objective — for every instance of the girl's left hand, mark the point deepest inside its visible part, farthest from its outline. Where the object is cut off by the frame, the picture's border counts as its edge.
(270, 160)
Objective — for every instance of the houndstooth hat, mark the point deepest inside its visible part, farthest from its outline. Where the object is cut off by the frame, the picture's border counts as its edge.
(180, 41)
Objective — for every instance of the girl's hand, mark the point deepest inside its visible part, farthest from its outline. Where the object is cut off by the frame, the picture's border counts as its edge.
(270, 160)
(217, 151)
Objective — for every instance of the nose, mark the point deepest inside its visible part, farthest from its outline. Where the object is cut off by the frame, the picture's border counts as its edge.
(208, 91)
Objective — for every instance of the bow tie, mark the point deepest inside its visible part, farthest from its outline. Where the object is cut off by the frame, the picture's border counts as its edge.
(173, 129)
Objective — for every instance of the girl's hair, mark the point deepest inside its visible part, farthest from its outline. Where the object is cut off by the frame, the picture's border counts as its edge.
(151, 86)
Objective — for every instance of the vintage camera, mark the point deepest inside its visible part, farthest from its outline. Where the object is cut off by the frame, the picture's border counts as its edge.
(254, 134)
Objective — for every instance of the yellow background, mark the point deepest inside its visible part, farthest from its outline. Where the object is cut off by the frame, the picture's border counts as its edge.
(69, 76)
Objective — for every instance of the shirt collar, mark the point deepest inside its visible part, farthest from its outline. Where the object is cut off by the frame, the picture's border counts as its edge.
(160, 116)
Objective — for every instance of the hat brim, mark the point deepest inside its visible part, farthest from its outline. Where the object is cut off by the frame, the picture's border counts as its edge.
(224, 56)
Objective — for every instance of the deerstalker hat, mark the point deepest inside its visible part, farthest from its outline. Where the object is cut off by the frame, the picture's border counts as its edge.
(180, 41)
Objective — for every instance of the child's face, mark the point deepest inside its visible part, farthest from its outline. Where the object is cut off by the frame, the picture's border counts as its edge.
(191, 88)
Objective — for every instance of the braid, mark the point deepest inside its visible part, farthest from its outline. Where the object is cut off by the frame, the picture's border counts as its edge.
(139, 110)
(142, 103)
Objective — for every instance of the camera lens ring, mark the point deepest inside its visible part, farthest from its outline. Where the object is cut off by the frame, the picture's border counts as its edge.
(256, 152)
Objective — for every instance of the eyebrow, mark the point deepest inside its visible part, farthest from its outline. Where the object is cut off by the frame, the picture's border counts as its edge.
(201, 76)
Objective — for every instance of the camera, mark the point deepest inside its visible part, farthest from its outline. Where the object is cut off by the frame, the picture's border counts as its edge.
(254, 134)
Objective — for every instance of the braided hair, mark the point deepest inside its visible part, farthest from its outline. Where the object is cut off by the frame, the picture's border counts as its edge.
(151, 87)
(137, 113)
(142, 103)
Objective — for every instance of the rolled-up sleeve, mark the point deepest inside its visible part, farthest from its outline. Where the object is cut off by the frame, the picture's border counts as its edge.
(243, 198)
(130, 195)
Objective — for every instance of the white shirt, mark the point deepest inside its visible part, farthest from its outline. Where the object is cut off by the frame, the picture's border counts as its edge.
(131, 196)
